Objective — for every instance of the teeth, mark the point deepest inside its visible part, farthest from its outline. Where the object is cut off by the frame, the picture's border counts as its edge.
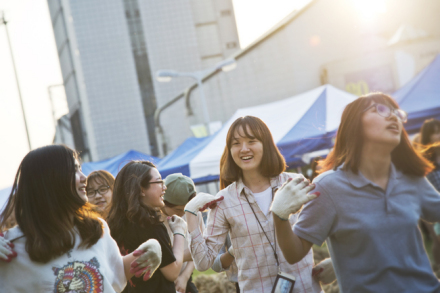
(246, 158)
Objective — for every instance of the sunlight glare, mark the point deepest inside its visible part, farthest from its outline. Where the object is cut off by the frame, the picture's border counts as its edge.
(369, 9)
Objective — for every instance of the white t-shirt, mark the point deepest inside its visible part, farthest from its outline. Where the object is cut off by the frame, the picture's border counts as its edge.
(95, 269)
(264, 199)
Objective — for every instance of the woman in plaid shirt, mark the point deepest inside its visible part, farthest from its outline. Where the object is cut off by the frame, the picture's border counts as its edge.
(251, 170)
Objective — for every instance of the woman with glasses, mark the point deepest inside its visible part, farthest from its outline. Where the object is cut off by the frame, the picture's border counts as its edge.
(372, 194)
(61, 244)
(99, 189)
(134, 217)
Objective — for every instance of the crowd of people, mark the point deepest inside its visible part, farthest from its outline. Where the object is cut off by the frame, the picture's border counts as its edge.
(138, 232)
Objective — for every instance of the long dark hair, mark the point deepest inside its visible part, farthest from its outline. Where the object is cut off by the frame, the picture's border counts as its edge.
(272, 164)
(45, 202)
(349, 141)
(126, 207)
(429, 127)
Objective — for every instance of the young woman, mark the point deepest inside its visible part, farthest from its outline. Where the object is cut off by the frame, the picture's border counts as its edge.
(99, 189)
(430, 141)
(134, 217)
(372, 194)
(251, 170)
(61, 243)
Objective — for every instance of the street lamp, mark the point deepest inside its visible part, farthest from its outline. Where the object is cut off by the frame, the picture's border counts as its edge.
(3, 21)
(225, 65)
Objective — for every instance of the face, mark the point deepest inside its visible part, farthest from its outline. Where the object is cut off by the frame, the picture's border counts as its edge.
(96, 186)
(176, 210)
(153, 195)
(382, 130)
(80, 181)
(246, 152)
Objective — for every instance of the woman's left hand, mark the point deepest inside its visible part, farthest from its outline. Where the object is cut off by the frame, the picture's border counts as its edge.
(149, 258)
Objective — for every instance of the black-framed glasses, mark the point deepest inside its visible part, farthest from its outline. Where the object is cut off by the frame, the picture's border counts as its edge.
(101, 190)
(385, 111)
(158, 182)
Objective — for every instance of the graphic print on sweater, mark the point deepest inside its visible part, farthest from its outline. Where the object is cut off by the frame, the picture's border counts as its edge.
(78, 277)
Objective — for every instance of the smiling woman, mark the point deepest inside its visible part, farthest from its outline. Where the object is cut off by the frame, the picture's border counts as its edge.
(100, 189)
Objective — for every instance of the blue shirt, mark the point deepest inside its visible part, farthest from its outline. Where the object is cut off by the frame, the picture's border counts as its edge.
(372, 234)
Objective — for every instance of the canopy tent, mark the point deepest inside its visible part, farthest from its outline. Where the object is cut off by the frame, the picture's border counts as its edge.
(421, 96)
(113, 165)
(301, 124)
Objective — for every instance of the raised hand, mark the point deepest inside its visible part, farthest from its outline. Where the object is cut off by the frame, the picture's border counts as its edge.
(6, 249)
(149, 258)
(324, 271)
(201, 202)
(177, 225)
(292, 195)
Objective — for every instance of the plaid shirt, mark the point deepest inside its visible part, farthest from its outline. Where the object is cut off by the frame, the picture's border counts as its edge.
(257, 268)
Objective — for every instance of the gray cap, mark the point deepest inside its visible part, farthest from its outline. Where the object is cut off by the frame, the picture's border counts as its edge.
(179, 189)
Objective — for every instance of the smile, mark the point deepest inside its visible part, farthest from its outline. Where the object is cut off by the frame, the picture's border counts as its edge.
(246, 158)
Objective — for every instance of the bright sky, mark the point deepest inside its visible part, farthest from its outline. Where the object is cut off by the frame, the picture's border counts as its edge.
(37, 65)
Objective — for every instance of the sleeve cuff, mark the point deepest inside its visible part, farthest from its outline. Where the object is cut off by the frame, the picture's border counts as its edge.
(306, 236)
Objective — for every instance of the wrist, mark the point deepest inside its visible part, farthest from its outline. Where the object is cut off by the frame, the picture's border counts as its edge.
(278, 217)
(192, 213)
(178, 233)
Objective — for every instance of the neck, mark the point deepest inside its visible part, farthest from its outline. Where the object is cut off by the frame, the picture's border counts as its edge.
(375, 163)
(255, 181)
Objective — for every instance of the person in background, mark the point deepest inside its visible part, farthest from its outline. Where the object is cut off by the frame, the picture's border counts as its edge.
(372, 194)
(99, 189)
(430, 143)
(225, 262)
(180, 190)
(251, 170)
(134, 217)
(61, 244)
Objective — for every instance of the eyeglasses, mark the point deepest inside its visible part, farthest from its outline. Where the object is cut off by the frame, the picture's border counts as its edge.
(101, 190)
(158, 182)
(385, 111)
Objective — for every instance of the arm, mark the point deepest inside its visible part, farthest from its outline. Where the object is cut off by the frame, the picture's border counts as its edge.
(171, 271)
(293, 247)
(227, 258)
(182, 279)
(204, 248)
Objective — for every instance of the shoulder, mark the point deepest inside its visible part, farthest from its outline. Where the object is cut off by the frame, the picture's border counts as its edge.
(13, 234)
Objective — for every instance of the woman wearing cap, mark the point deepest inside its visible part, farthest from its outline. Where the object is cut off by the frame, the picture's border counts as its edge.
(251, 170)
(372, 194)
(180, 190)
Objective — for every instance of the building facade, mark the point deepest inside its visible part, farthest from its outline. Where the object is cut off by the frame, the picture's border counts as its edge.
(109, 52)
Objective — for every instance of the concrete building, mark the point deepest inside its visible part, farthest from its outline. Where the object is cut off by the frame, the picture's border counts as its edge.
(328, 41)
(109, 51)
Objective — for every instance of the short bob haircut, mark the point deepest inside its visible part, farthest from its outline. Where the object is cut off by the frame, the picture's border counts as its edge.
(45, 201)
(272, 164)
(429, 127)
(101, 177)
(349, 141)
(126, 208)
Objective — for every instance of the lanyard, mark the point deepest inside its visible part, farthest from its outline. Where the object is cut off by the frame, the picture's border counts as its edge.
(274, 236)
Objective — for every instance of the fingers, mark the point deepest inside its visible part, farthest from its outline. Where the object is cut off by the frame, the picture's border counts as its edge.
(309, 187)
(316, 271)
(211, 204)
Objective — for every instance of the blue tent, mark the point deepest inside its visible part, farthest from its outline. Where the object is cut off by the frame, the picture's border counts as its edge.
(421, 96)
(113, 165)
(301, 124)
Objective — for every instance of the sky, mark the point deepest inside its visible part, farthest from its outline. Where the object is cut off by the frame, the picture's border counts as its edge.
(36, 60)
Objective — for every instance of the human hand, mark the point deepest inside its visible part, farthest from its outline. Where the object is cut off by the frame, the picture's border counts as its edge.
(180, 283)
(201, 202)
(177, 225)
(324, 272)
(291, 196)
(149, 258)
(6, 249)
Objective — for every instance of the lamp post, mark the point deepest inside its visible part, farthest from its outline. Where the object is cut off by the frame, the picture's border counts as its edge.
(225, 65)
(3, 21)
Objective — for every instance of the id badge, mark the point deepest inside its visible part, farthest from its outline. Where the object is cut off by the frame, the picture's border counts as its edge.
(284, 283)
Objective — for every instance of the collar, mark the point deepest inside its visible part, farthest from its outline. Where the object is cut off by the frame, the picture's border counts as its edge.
(242, 189)
(359, 180)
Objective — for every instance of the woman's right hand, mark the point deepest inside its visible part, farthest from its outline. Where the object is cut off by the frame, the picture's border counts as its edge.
(201, 202)
(149, 258)
(292, 195)
(6, 249)
(177, 225)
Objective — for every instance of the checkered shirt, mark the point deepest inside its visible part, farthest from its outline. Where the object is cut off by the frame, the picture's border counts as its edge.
(257, 268)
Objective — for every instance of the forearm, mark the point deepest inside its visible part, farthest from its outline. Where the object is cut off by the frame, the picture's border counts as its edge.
(226, 259)
(293, 247)
(187, 272)
(191, 221)
(187, 255)
(178, 249)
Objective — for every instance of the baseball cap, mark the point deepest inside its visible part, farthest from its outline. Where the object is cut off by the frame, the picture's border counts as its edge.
(179, 189)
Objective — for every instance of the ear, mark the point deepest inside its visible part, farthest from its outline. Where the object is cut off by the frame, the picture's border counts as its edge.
(142, 192)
